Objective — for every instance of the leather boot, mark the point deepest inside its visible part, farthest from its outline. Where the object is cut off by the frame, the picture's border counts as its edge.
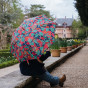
(62, 80)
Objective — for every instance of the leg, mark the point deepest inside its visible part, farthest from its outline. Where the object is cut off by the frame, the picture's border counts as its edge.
(49, 78)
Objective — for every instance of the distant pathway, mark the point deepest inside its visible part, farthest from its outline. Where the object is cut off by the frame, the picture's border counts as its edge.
(76, 70)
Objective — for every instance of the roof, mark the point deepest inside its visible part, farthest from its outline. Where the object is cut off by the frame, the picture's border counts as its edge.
(61, 21)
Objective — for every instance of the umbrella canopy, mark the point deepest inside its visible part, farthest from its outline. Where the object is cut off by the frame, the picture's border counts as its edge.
(31, 39)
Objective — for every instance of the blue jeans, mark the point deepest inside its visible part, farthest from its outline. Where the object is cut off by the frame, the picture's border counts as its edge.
(49, 78)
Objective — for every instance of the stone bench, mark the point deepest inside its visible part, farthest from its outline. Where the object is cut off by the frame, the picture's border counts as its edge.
(17, 80)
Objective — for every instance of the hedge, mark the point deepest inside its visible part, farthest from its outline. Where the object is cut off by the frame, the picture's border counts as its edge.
(5, 54)
(5, 50)
(8, 63)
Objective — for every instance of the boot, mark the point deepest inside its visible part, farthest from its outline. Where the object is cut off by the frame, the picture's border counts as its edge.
(62, 80)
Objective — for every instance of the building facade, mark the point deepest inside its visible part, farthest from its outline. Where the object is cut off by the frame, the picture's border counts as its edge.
(63, 27)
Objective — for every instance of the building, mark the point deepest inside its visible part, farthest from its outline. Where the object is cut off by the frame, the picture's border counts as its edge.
(63, 27)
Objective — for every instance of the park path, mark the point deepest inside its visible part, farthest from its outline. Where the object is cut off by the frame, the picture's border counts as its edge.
(76, 70)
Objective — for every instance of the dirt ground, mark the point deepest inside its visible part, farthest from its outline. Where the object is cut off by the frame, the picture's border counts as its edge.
(76, 70)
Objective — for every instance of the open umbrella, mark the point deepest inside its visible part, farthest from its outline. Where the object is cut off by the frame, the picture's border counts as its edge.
(31, 39)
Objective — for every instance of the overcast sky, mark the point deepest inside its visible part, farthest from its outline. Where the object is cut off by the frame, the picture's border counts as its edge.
(57, 8)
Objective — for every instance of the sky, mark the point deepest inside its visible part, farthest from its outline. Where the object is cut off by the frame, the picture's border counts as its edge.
(57, 8)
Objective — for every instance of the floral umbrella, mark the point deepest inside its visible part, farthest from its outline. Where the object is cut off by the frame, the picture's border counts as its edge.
(31, 39)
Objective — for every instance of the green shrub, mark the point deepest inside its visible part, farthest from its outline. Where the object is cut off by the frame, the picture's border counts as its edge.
(84, 42)
(55, 45)
(8, 46)
(69, 43)
(8, 63)
(5, 54)
(73, 42)
(63, 43)
(4, 59)
(5, 50)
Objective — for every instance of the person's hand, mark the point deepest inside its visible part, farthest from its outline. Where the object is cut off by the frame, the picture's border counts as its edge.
(40, 61)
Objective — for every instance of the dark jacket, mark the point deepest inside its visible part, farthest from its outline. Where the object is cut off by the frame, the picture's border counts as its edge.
(34, 67)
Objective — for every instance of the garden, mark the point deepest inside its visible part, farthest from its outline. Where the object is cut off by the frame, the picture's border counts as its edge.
(6, 58)
(14, 16)
(58, 47)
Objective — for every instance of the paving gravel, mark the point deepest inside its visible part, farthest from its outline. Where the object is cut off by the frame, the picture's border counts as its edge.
(76, 70)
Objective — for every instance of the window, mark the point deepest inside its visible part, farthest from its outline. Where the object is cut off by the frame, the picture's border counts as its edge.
(64, 25)
(64, 35)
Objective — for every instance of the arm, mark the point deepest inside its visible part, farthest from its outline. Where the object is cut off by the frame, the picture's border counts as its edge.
(45, 56)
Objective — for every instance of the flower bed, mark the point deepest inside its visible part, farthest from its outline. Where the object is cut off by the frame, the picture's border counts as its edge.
(7, 61)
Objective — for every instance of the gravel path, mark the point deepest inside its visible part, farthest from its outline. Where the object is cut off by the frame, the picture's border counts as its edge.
(76, 70)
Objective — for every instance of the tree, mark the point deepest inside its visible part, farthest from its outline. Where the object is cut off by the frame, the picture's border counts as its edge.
(36, 10)
(10, 12)
(79, 30)
(82, 8)
(74, 28)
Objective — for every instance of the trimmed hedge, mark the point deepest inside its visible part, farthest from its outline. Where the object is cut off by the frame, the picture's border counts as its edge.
(5, 50)
(5, 59)
(5, 54)
(8, 63)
